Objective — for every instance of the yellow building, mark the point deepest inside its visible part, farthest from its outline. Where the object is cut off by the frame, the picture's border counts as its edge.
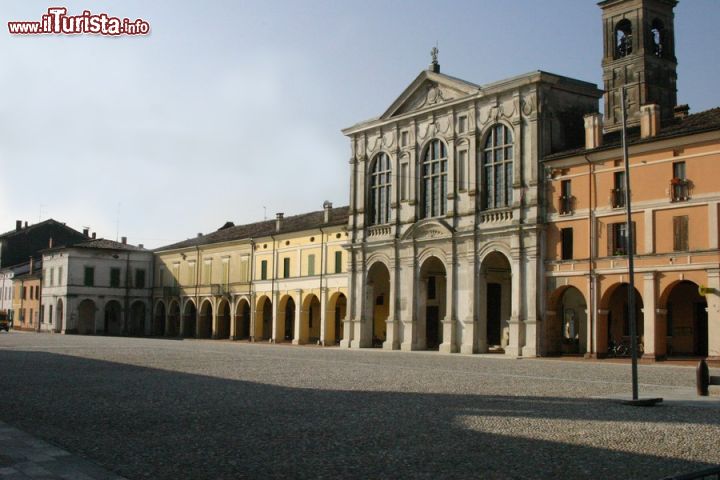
(277, 280)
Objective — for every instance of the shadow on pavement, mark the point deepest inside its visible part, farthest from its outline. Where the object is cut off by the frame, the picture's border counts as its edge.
(149, 423)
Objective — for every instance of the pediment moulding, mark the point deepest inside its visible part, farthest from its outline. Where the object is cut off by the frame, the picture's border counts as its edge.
(429, 229)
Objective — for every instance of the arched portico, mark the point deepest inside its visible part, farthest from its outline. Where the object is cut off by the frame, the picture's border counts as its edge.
(285, 320)
(377, 303)
(263, 318)
(60, 316)
(335, 318)
(189, 320)
(173, 319)
(495, 300)
(159, 319)
(113, 318)
(685, 322)
(222, 328)
(566, 322)
(242, 320)
(433, 296)
(613, 320)
(136, 325)
(86, 317)
(205, 320)
(309, 320)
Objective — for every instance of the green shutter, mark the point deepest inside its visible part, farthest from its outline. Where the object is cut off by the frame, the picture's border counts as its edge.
(338, 262)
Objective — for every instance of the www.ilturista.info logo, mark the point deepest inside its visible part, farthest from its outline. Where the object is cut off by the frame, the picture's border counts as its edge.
(57, 21)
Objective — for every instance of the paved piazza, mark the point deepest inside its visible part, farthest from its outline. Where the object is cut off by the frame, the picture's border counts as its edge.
(155, 408)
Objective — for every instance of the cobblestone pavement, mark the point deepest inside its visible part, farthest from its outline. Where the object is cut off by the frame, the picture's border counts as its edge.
(156, 408)
(24, 457)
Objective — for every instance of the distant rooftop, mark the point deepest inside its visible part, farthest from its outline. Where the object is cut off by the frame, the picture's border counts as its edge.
(295, 223)
(704, 121)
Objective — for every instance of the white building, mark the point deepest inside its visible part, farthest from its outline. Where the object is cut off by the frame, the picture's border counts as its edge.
(97, 286)
(446, 211)
(6, 291)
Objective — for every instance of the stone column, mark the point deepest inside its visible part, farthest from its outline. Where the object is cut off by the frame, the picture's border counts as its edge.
(713, 310)
(407, 289)
(466, 302)
(232, 313)
(300, 335)
(358, 319)
(530, 341)
(215, 318)
(324, 317)
(513, 348)
(482, 342)
(253, 316)
(277, 334)
(391, 340)
(601, 334)
(651, 338)
(449, 323)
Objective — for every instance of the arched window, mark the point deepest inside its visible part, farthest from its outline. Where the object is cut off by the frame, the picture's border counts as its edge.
(434, 175)
(497, 161)
(380, 187)
(658, 37)
(623, 38)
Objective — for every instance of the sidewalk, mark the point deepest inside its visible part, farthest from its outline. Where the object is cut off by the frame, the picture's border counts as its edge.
(25, 457)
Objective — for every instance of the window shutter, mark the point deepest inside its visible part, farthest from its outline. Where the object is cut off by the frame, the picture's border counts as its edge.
(611, 239)
(634, 238)
(680, 233)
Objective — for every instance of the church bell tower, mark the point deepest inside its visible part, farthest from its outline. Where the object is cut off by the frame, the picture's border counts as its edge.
(638, 55)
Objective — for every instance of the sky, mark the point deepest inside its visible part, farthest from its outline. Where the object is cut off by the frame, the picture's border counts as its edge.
(232, 110)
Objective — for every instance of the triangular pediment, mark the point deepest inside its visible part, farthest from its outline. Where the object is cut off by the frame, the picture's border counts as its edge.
(429, 229)
(427, 90)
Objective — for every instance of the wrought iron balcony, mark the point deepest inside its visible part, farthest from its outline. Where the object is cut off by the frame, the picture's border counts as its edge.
(617, 197)
(566, 205)
(679, 189)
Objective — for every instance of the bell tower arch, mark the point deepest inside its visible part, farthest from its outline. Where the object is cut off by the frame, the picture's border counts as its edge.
(638, 55)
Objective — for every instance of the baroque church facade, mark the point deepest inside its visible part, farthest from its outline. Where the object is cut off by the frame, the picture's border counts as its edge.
(446, 208)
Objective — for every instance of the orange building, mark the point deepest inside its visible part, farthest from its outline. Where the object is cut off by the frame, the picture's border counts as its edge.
(674, 196)
(26, 300)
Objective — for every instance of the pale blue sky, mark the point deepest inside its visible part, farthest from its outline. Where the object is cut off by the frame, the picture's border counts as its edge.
(229, 107)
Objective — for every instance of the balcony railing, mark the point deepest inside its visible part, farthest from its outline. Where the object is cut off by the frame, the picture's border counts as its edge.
(617, 197)
(566, 205)
(679, 189)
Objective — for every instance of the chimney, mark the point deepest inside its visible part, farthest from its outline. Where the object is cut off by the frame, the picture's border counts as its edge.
(86, 232)
(681, 111)
(140, 245)
(593, 130)
(649, 120)
(18, 225)
(327, 206)
(278, 221)
(26, 224)
(93, 236)
(123, 240)
(199, 234)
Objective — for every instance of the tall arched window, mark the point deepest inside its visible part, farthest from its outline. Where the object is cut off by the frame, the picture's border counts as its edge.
(623, 38)
(380, 188)
(497, 161)
(434, 175)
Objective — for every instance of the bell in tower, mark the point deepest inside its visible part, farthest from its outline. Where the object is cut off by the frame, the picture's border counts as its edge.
(638, 55)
